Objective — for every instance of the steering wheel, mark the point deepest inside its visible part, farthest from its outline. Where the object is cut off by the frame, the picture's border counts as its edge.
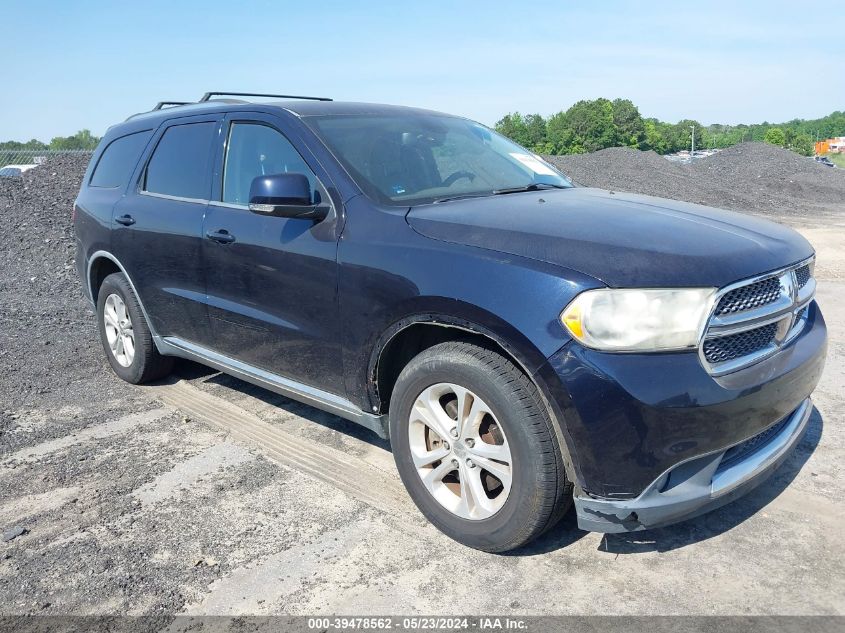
(451, 180)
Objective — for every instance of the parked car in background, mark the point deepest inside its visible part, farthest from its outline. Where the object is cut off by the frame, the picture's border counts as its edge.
(824, 160)
(14, 171)
(522, 342)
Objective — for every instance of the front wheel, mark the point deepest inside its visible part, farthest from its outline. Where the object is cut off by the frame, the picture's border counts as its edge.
(475, 448)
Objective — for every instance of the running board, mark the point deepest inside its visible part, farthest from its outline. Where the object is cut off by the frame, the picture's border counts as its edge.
(323, 400)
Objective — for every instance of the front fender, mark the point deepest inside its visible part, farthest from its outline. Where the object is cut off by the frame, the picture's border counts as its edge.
(389, 275)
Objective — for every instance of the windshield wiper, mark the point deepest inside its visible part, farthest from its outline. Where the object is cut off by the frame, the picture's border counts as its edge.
(535, 186)
(462, 197)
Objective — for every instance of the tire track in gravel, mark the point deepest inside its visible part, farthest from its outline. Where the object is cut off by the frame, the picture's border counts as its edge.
(96, 432)
(351, 474)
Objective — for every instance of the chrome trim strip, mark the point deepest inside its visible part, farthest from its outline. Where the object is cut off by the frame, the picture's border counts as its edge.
(724, 481)
(228, 205)
(307, 394)
(165, 196)
(723, 331)
(808, 291)
(782, 305)
(798, 324)
(728, 366)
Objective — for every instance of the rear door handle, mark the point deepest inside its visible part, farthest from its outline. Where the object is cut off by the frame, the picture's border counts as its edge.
(125, 220)
(221, 237)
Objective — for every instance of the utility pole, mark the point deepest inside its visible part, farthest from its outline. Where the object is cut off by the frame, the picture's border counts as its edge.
(692, 151)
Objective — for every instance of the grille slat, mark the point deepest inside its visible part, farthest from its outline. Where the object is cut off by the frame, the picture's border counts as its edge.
(754, 295)
(802, 275)
(725, 348)
(740, 451)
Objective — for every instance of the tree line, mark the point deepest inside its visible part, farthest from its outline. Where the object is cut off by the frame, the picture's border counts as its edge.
(81, 140)
(591, 125)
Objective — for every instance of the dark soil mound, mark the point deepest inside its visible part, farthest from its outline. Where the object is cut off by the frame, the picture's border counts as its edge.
(750, 177)
(47, 335)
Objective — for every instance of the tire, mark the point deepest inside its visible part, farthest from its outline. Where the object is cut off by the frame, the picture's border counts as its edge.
(144, 364)
(512, 418)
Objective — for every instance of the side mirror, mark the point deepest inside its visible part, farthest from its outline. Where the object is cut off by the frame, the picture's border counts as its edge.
(285, 196)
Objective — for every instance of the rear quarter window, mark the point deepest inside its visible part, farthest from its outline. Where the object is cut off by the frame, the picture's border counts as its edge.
(180, 163)
(118, 160)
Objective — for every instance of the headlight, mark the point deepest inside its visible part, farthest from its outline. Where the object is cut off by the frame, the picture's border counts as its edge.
(639, 320)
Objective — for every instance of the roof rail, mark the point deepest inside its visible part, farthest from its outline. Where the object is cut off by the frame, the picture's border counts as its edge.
(208, 96)
(161, 104)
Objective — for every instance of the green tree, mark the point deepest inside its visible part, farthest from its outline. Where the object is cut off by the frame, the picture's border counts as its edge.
(535, 131)
(513, 126)
(630, 128)
(81, 140)
(592, 124)
(654, 136)
(33, 144)
(679, 136)
(803, 144)
(775, 136)
(560, 139)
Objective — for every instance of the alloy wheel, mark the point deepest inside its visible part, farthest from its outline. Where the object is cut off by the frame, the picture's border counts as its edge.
(119, 332)
(460, 451)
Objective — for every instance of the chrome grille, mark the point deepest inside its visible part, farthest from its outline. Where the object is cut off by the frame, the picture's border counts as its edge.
(754, 295)
(724, 348)
(753, 319)
(802, 275)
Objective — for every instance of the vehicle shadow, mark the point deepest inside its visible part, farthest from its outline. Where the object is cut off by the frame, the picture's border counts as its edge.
(188, 370)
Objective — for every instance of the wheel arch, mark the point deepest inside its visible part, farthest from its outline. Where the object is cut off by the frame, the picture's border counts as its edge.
(101, 264)
(411, 335)
(99, 268)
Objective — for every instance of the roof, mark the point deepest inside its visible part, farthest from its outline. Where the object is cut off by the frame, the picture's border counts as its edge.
(301, 108)
(298, 107)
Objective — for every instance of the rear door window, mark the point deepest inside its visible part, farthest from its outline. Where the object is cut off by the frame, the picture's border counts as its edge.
(180, 164)
(119, 159)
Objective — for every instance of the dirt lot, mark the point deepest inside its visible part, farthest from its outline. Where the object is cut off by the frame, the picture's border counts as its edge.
(206, 495)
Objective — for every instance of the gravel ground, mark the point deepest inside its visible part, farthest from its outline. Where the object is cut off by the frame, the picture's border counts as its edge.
(46, 344)
(750, 177)
(113, 503)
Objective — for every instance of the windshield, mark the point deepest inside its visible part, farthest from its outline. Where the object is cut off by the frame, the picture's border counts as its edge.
(412, 158)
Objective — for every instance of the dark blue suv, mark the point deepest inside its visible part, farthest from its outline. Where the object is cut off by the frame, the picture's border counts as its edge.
(522, 342)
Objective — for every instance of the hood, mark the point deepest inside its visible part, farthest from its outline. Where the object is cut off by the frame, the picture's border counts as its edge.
(621, 239)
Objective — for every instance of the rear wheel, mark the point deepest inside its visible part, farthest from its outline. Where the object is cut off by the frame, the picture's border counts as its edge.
(474, 446)
(125, 335)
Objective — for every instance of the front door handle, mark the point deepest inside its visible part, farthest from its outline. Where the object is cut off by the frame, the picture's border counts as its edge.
(125, 220)
(221, 237)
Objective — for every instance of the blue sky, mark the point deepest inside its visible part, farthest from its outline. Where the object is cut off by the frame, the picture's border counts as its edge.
(71, 65)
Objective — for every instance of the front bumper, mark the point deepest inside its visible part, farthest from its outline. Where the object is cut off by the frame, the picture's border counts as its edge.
(698, 485)
(627, 419)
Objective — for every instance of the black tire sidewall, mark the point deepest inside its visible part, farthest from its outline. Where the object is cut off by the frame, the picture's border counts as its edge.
(118, 284)
(511, 523)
